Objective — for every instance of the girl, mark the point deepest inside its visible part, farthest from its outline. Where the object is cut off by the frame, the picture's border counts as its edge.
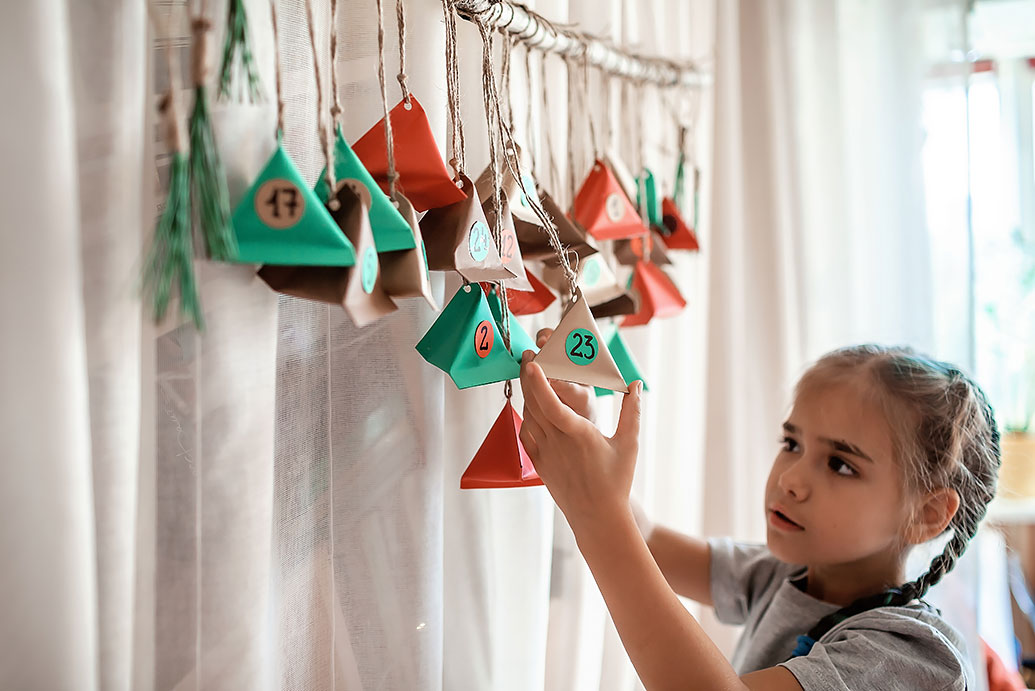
(883, 449)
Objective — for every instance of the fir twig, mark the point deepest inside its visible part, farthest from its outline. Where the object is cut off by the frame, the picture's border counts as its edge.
(237, 40)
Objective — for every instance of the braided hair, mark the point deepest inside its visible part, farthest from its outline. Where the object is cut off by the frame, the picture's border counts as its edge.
(945, 436)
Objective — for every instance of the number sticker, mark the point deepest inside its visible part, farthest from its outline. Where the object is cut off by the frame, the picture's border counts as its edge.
(591, 272)
(581, 346)
(279, 203)
(614, 207)
(484, 336)
(508, 245)
(527, 184)
(368, 271)
(478, 244)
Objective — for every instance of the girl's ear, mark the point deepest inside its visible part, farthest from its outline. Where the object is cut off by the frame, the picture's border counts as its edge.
(933, 514)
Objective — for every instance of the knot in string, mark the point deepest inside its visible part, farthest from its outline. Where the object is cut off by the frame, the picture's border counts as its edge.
(400, 13)
(199, 50)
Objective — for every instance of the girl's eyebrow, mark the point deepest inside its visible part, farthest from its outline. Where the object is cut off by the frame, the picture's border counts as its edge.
(839, 444)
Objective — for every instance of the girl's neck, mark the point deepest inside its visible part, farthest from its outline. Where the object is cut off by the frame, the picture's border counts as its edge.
(843, 584)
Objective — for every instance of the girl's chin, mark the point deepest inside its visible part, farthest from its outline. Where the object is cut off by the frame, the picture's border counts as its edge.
(781, 550)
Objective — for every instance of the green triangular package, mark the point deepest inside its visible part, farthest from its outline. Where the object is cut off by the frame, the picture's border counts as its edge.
(520, 341)
(647, 193)
(464, 342)
(391, 232)
(281, 221)
(626, 364)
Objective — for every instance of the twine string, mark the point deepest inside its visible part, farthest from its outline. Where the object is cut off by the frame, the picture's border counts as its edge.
(276, 66)
(389, 141)
(586, 104)
(325, 139)
(336, 109)
(400, 14)
(453, 91)
(531, 136)
(547, 120)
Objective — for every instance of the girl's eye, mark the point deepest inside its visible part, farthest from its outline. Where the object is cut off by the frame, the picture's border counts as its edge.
(789, 444)
(839, 466)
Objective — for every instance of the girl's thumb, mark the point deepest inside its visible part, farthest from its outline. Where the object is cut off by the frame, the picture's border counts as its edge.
(627, 432)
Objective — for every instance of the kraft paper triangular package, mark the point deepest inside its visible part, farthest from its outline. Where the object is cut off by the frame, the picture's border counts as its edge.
(576, 353)
(625, 361)
(501, 460)
(465, 343)
(595, 278)
(533, 241)
(357, 289)
(659, 296)
(423, 177)
(458, 238)
(391, 231)
(404, 273)
(630, 251)
(281, 221)
(602, 207)
(510, 252)
(678, 235)
(626, 303)
(541, 297)
(512, 189)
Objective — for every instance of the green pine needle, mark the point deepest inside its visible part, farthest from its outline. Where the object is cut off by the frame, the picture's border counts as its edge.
(172, 256)
(237, 40)
(208, 180)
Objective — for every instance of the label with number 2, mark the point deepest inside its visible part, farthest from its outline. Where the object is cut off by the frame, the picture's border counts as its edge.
(484, 336)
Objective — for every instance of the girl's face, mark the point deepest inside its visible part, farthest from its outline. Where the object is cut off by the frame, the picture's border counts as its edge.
(835, 494)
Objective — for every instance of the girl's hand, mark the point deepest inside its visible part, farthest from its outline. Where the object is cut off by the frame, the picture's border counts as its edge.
(578, 397)
(588, 475)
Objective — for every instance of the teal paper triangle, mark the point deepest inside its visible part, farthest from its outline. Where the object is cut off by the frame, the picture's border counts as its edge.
(450, 344)
(314, 239)
(520, 341)
(626, 364)
(391, 231)
(649, 188)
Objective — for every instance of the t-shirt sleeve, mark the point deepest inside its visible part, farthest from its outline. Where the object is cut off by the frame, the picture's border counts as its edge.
(872, 648)
(739, 574)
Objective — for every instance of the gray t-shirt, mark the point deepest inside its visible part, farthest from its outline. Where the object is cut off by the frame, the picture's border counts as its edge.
(885, 648)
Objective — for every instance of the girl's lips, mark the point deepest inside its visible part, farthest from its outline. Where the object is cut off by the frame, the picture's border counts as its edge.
(778, 520)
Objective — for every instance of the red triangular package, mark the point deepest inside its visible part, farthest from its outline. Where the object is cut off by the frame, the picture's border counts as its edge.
(602, 208)
(659, 296)
(423, 177)
(521, 302)
(680, 236)
(501, 460)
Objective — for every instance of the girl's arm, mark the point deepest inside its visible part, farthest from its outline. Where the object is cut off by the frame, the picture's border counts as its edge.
(685, 561)
(589, 476)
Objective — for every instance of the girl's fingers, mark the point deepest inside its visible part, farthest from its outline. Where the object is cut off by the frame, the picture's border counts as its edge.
(532, 406)
(530, 436)
(548, 409)
(575, 396)
(627, 433)
(543, 336)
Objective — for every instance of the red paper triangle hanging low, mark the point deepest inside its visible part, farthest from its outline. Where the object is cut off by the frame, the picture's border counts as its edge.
(603, 209)
(501, 460)
(659, 296)
(680, 236)
(522, 302)
(423, 177)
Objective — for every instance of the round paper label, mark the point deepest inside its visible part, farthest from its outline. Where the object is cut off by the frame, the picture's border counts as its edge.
(591, 272)
(528, 184)
(614, 207)
(479, 240)
(368, 272)
(508, 245)
(484, 336)
(581, 346)
(279, 204)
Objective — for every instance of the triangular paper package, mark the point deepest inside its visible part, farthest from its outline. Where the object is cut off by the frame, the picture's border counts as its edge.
(459, 238)
(404, 273)
(539, 299)
(464, 342)
(626, 303)
(595, 278)
(501, 460)
(630, 251)
(679, 235)
(621, 172)
(512, 189)
(626, 364)
(520, 341)
(648, 186)
(281, 221)
(602, 208)
(534, 244)
(510, 252)
(390, 229)
(357, 289)
(659, 296)
(423, 177)
(576, 353)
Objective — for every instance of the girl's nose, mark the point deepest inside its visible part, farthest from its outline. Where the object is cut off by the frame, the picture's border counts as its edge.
(794, 480)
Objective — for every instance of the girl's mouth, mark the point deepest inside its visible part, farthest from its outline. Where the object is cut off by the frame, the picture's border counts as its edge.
(780, 521)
